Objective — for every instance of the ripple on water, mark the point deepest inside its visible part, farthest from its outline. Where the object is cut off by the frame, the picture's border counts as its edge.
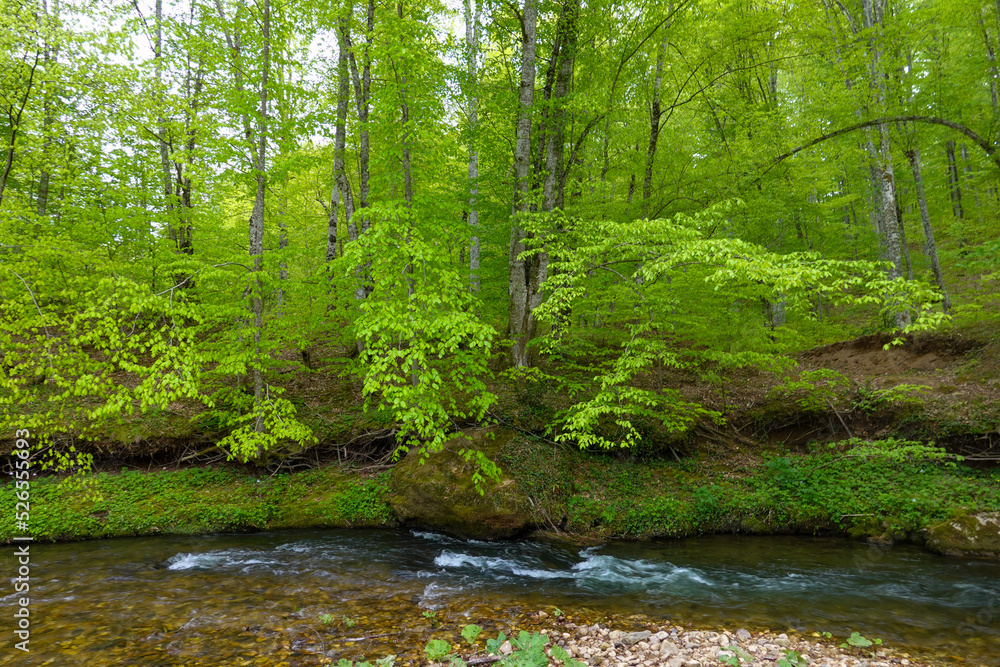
(222, 599)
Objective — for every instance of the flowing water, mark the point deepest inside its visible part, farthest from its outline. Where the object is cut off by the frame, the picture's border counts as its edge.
(311, 597)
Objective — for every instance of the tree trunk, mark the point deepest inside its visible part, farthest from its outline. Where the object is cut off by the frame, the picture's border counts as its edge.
(553, 195)
(522, 273)
(992, 57)
(45, 177)
(654, 129)
(930, 247)
(472, 53)
(256, 235)
(166, 171)
(362, 95)
(882, 168)
(341, 185)
(970, 182)
(954, 189)
(904, 246)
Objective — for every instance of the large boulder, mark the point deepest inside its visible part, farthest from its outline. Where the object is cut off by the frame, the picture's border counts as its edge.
(967, 535)
(440, 493)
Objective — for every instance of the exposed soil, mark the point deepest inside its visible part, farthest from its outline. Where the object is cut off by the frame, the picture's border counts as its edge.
(954, 397)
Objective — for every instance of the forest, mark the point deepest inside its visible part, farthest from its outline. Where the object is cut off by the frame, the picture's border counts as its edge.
(437, 203)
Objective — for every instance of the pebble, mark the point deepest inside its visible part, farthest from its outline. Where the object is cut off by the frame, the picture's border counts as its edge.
(672, 646)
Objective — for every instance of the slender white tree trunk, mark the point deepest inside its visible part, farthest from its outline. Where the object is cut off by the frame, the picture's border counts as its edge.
(472, 21)
(521, 324)
(256, 234)
(930, 247)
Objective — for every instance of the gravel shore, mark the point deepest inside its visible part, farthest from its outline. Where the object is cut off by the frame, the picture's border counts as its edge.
(673, 646)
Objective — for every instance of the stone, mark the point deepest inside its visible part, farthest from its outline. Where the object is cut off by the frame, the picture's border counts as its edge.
(542, 614)
(615, 635)
(782, 640)
(440, 494)
(668, 649)
(661, 635)
(635, 637)
(675, 662)
(743, 634)
(967, 535)
(506, 648)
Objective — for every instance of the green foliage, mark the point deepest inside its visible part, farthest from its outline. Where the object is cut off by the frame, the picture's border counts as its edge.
(559, 653)
(857, 640)
(814, 391)
(792, 659)
(437, 650)
(349, 622)
(493, 645)
(529, 649)
(733, 654)
(872, 400)
(653, 281)
(471, 632)
(893, 449)
(387, 661)
(425, 351)
(826, 490)
(326, 619)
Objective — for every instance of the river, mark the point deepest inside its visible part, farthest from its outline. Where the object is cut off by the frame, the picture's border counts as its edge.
(307, 597)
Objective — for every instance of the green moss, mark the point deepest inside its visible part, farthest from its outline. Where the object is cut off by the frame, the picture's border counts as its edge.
(442, 494)
(198, 500)
(967, 535)
(595, 494)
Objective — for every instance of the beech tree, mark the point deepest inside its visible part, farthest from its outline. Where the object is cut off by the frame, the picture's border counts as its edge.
(206, 197)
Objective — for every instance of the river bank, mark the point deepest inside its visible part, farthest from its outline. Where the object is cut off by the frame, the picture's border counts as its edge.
(676, 646)
(586, 498)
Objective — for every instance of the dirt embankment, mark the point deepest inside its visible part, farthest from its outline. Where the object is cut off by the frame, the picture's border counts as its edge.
(940, 387)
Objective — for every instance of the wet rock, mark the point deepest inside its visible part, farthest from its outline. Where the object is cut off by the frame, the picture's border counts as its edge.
(743, 634)
(967, 535)
(440, 494)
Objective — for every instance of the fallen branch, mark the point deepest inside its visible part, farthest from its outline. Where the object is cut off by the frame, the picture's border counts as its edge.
(846, 428)
(197, 454)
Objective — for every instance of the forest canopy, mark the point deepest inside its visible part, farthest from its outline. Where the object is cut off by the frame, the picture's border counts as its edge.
(430, 200)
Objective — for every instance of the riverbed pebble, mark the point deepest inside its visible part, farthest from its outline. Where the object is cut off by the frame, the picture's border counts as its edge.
(673, 646)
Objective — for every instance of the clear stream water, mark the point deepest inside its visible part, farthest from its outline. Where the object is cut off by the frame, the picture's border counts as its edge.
(307, 597)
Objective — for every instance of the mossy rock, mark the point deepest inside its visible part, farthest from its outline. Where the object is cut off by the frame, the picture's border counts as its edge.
(439, 494)
(967, 535)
